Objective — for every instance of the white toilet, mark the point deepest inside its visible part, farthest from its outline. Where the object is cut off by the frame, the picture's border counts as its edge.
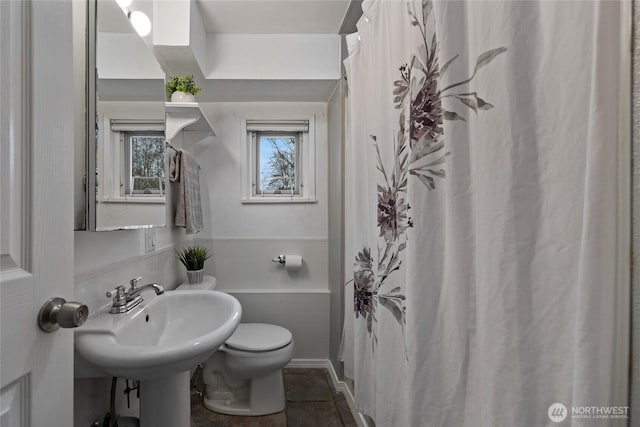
(244, 377)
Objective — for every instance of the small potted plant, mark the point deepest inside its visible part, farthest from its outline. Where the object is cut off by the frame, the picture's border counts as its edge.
(182, 88)
(193, 258)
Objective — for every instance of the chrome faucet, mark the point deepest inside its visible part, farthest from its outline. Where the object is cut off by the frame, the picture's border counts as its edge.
(126, 300)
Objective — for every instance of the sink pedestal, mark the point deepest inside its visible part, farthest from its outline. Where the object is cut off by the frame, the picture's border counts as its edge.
(165, 401)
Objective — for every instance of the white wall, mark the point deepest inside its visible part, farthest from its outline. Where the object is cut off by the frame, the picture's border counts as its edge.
(244, 239)
(273, 56)
(104, 260)
(304, 314)
(125, 56)
(220, 159)
(245, 264)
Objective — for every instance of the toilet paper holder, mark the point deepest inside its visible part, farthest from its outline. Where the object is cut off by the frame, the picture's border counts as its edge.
(281, 259)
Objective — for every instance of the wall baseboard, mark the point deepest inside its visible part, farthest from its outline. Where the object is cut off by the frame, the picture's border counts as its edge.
(339, 385)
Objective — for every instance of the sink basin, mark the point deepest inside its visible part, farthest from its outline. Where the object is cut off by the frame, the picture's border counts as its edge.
(166, 335)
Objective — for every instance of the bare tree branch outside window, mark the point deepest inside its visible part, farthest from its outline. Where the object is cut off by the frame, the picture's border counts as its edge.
(147, 160)
(279, 171)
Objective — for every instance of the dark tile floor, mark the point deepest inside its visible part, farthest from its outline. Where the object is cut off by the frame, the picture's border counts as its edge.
(311, 402)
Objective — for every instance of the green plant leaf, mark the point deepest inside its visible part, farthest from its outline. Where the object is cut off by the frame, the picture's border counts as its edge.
(193, 257)
(183, 84)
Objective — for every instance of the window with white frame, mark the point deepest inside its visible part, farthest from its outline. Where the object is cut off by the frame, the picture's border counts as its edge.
(141, 164)
(280, 163)
(277, 163)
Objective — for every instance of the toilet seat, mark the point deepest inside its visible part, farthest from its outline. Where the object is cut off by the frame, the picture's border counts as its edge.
(258, 338)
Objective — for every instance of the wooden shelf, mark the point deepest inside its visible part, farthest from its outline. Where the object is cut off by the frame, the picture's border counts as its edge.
(187, 116)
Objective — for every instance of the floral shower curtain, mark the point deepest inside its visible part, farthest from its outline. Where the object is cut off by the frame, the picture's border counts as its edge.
(481, 205)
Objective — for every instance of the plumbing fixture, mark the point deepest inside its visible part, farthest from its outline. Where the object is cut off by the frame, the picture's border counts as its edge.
(126, 300)
(135, 387)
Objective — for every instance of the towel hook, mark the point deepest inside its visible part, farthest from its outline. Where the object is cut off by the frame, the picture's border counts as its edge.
(168, 145)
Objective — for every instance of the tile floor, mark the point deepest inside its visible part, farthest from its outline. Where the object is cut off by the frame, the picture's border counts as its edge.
(311, 402)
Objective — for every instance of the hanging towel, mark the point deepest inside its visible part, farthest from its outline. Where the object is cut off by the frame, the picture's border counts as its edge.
(184, 170)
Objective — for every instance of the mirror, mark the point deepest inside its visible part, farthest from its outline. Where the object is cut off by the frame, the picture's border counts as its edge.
(125, 118)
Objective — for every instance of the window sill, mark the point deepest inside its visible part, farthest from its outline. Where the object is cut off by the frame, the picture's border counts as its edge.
(276, 200)
(142, 199)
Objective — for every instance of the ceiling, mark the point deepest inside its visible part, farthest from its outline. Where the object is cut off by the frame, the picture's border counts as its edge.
(246, 16)
(234, 18)
(273, 16)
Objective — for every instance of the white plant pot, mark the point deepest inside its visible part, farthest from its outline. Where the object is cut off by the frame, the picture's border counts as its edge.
(195, 276)
(179, 96)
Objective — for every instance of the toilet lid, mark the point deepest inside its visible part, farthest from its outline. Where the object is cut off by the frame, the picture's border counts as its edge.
(259, 337)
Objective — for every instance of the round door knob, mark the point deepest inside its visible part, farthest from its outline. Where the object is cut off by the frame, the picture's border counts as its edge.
(58, 313)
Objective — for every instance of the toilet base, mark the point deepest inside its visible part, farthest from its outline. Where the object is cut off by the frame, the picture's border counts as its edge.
(266, 396)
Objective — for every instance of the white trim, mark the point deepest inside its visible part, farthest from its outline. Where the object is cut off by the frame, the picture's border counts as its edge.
(634, 401)
(338, 385)
(284, 239)
(623, 326)
(270, 200)
(275, 291)
(134, 199)
(137, 125)
(17, 214)
(278, 125)
(308, 364)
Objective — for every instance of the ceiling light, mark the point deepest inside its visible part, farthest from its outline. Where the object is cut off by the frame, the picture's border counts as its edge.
(140, 22)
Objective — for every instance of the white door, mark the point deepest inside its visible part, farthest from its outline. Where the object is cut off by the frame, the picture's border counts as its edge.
(36, 210)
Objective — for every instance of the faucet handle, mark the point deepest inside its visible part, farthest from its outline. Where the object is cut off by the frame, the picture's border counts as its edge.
(119, 290)
(134, 282)
(118, 294)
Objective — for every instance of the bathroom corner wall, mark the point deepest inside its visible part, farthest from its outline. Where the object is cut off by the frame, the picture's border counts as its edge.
(246, 237)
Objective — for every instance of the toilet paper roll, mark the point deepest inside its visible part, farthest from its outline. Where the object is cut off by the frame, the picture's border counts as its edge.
(293, 262)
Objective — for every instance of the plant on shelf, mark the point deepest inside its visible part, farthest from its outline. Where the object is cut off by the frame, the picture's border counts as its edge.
(182, 88)
(193, 258)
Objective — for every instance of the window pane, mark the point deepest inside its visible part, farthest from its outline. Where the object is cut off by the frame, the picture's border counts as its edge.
(147, 164)
(277, 167)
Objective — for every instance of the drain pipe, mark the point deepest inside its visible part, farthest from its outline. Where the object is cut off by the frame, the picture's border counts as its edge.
(111, 418)
(112, 404)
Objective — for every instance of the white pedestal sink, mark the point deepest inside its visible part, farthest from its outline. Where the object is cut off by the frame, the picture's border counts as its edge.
(158, 343)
